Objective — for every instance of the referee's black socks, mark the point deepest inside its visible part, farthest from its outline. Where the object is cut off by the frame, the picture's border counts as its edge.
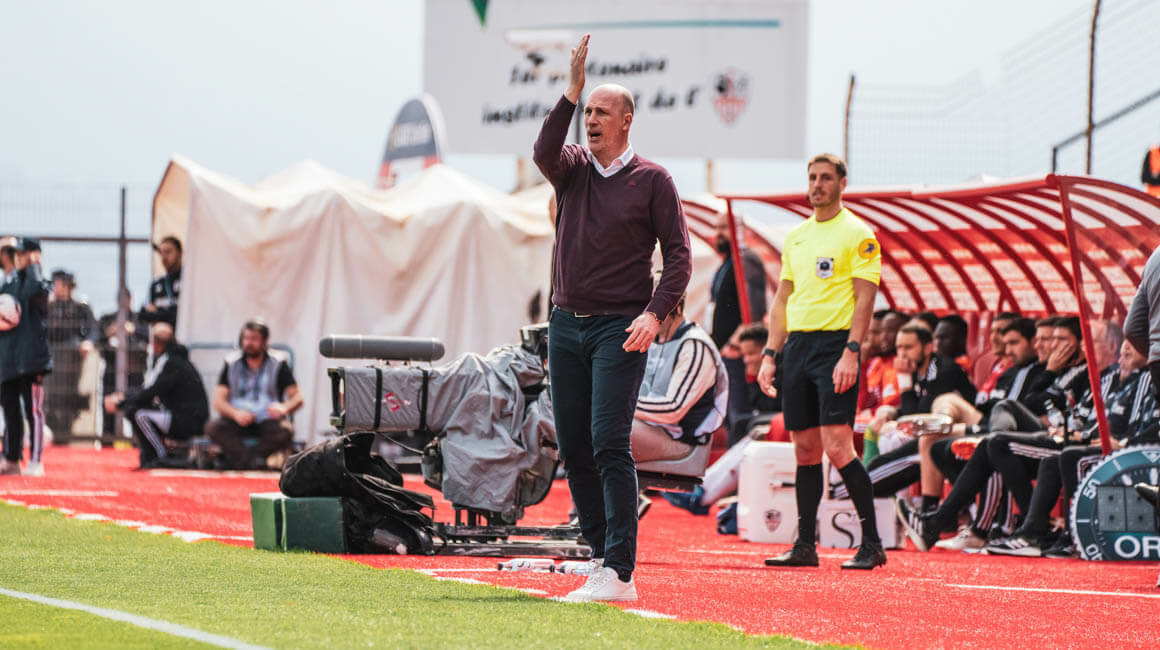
(808, 490)
(861, 491)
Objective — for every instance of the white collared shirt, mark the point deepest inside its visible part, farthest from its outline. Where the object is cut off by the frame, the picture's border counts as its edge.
(616, 165)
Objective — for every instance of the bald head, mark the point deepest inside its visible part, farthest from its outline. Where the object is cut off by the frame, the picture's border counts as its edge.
(617, 92)
(162, 335)
(607, 118)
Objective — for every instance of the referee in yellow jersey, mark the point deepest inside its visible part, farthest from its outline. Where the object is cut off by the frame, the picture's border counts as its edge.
(829, 276)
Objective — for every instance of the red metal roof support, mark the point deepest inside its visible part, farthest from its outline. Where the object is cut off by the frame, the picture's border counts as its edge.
(738, 267)
(1085, 322)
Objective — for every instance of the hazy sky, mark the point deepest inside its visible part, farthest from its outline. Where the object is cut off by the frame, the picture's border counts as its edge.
(100, 92)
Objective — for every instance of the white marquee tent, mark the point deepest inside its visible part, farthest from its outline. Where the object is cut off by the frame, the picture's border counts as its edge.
(314, 253)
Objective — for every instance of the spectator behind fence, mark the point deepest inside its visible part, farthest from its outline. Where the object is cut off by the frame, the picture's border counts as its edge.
(255, 396)
(165, 290)
(137, 335)
(170, 406)
(71, 332)
(25, 357)
(1150, 173)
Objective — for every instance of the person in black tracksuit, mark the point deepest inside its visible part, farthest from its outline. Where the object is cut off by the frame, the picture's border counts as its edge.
(166, 289)
(933, 375)
(1010, 448)
(1015, 385)
(171, 404)
(1060, 380)
(1132, 420)
(25, 357)
(1067, 381)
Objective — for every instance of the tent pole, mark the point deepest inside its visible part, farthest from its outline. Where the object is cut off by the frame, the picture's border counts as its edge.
(121, 360)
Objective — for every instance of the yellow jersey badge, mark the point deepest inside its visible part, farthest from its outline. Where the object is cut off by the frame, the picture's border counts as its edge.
(867, 248)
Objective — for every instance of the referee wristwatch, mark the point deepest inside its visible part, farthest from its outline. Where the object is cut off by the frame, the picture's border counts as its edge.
(853, 346)
(769, 352)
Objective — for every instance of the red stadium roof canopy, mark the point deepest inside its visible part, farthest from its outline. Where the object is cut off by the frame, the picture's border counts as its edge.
(1016, 246)
(994, 247)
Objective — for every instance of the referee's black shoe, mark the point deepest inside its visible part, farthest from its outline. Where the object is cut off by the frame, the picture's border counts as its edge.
(799, 555)
(870, 554)
(1150, 493)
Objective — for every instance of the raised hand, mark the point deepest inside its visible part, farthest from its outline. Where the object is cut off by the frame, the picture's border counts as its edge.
(576, 70)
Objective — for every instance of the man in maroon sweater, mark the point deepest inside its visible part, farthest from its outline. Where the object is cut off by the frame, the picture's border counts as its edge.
(612, 208)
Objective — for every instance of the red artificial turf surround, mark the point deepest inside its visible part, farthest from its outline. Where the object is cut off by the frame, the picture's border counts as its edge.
(688, 571)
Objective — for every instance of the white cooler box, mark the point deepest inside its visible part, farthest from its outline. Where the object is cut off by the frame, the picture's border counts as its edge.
(838, 525)
(766, 507)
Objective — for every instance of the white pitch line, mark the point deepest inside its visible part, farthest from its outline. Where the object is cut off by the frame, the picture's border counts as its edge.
(1044, 590)
(648, 613)
(466, 581)
(432, 572)
(62, 493)
(156, 529)
(172, 629)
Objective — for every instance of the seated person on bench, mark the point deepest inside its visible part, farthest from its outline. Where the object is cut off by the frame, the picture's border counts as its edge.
(684, 393)
(170, 405)
(255, 396)
(721, 477)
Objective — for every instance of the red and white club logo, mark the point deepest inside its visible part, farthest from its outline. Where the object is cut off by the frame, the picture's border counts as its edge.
(392, 401)
(730, 94)
(772, 519)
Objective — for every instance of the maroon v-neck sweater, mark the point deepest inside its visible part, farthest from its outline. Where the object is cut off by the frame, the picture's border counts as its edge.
(607, 228)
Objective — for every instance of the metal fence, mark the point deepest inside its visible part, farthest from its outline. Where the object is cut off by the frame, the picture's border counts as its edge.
(98, 235)
(1004, 119)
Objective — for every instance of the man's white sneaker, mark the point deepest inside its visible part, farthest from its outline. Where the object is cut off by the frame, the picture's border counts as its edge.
(34, 469)
(9, 468)
(965, 540)
(605, 586)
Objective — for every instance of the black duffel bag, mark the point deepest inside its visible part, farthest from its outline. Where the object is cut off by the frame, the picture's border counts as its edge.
(372, 493)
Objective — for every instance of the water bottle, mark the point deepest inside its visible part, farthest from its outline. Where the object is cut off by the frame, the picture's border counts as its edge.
(1054, 416)
(388, 541)
(574, 568)
(527, 564)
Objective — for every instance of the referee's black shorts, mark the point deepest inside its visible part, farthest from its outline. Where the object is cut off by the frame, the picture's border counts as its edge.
(806, 377)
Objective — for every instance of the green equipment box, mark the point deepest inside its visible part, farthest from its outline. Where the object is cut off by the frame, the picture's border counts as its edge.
(282, 523)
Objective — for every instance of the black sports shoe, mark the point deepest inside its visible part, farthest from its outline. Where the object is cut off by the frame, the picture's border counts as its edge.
(1062, 549)
(917, 525)
(799, 555)
(1149, 493)
(870, 554)
(1015, 545)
